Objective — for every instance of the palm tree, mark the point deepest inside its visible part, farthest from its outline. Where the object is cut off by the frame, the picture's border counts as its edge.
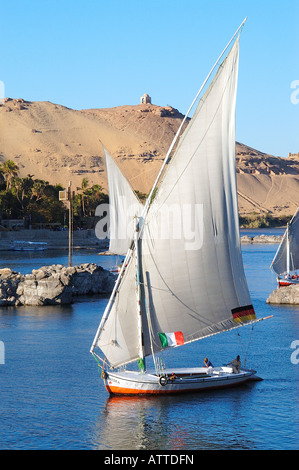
(84, 186)
(9, 170)
(2, 180)
(22, 188)
(38, 189)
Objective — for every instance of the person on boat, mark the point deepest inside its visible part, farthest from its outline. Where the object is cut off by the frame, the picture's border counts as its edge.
(236, 365)
(207, 362)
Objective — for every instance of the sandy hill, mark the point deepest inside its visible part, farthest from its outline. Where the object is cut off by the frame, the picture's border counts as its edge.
(59, 144)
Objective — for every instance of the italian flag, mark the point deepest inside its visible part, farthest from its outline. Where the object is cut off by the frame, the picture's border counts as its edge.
(171, 339)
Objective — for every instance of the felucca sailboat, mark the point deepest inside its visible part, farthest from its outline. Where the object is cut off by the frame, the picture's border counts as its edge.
(182, 279)
(286, 260)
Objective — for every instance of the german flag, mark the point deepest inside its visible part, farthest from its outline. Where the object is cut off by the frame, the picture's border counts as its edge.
(243, 314)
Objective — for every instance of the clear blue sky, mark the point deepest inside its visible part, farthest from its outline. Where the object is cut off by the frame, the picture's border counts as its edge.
(101, 54)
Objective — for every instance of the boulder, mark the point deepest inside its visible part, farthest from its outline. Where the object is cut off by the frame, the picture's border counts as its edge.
(5, 272)
(267, 239)
(54, 285)
(261, 239)
(285, 295)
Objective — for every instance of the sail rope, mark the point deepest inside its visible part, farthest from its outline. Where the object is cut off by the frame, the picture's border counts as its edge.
(156, 288)
(241, 345)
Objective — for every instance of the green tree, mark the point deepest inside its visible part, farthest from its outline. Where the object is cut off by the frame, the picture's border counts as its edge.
(22, 189)
(84, 186)
(38, 189)
(9, 170)
(94, 197)
(2, 179)
(10, 206)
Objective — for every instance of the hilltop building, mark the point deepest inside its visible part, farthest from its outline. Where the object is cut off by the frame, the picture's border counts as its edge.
(145, 99)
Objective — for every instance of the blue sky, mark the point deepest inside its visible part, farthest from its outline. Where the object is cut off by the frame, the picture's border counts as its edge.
(101, 54)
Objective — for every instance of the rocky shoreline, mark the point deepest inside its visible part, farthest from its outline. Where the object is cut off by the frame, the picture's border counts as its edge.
(53, 285)
(261, 239)
(288, 295)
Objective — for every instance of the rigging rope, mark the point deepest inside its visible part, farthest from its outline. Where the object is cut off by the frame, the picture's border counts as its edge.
(241, 345)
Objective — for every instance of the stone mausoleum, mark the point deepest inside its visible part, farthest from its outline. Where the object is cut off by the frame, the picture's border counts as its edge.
(145, 99)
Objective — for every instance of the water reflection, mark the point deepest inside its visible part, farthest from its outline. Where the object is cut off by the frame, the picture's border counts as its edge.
(130, 423)
(189, 422)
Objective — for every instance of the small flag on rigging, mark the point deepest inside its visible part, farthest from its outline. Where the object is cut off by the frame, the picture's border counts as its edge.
(171, 339)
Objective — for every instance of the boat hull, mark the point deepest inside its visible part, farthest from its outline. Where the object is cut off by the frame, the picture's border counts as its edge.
(288, 282)
(28, 246)
(176, 382)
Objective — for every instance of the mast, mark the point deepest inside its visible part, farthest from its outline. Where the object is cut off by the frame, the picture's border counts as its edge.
(141, 361)
(288, 251)
(70, 222)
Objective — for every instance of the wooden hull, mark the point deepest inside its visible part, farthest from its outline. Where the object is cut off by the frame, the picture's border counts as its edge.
(177, 381)
(288, 282)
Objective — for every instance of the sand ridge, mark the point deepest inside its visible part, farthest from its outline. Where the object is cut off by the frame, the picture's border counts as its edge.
(59, 144)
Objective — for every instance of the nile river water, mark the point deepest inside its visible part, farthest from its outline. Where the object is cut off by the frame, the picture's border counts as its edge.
(52, 396)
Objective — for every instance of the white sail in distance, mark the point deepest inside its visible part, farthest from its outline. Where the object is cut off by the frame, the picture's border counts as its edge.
(287, 256)
(195, 284)
(124, 205)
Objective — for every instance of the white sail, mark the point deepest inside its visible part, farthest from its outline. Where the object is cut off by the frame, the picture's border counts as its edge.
(194, 278)
(191, 269)
(118, 337)
(287, 256)
(123, 207)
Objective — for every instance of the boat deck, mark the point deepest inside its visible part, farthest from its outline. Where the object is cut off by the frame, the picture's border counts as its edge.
(192, 372)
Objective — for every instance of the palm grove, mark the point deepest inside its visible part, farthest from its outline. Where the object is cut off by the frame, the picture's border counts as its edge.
(38, 201)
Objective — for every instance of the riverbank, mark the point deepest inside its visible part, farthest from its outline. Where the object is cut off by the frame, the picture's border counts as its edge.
(88, 239)
(54, 239)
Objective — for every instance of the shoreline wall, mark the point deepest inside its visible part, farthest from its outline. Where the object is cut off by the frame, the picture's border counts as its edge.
(55, 239)
(87, 238)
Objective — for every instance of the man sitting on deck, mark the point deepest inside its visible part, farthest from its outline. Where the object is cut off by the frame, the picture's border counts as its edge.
(236, 365)
(207, 362)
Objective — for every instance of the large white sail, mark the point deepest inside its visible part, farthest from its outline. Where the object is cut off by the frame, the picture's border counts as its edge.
(287, 256)
(193, 278)
(191, 269)
(123, 207)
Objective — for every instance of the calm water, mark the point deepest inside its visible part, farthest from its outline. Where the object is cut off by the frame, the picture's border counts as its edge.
(52, 396)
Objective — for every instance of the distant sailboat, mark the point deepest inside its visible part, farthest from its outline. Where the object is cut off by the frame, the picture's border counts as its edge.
(286, 260)
(182, 279)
